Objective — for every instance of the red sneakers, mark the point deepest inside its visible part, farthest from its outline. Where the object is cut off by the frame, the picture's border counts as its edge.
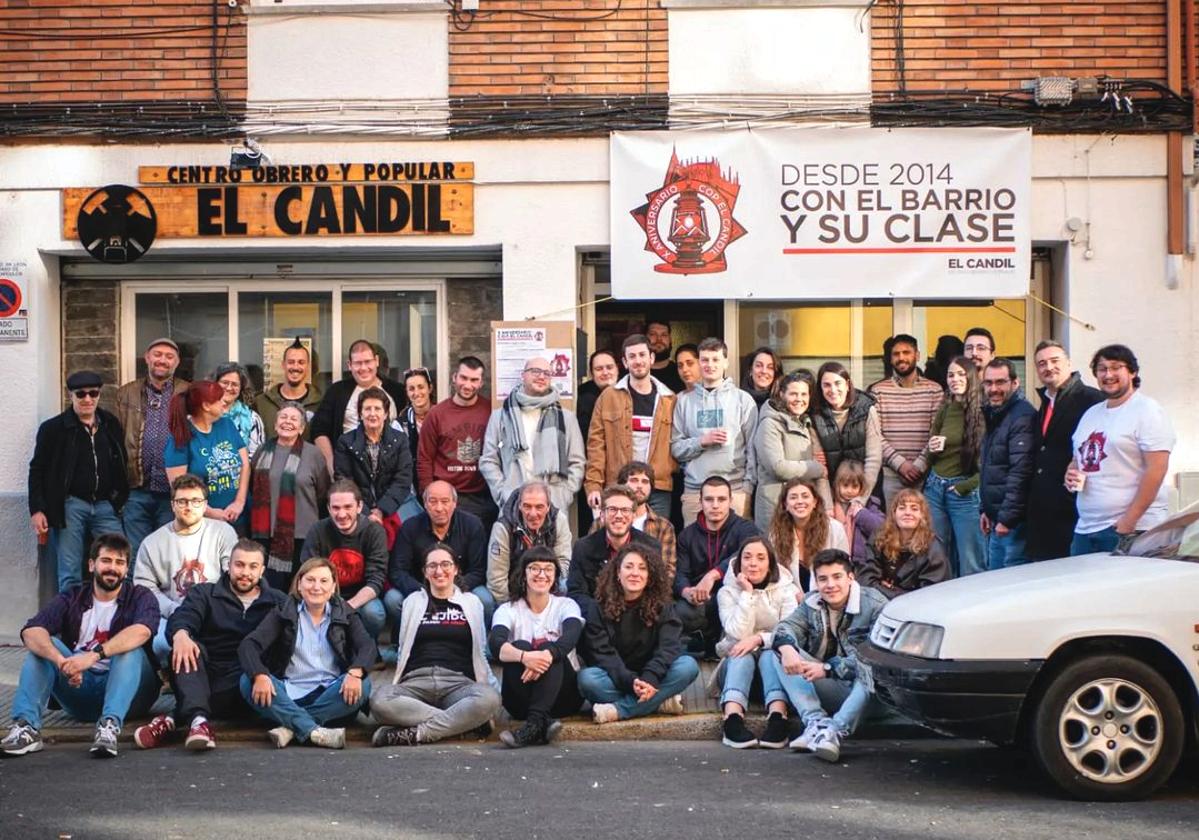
(199, 737)
(155, 733)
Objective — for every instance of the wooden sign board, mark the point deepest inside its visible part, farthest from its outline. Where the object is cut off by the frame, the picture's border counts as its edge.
(515, 342)
(310, 173)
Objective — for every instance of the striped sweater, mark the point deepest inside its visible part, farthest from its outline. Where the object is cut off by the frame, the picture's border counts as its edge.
(906, 415)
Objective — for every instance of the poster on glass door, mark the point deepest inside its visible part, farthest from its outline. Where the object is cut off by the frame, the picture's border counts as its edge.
(823, 213)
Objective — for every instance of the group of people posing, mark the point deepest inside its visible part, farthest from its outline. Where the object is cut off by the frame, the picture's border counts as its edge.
(763, 526)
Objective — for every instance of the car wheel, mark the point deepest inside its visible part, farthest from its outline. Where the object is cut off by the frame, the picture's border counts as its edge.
(1108, 728)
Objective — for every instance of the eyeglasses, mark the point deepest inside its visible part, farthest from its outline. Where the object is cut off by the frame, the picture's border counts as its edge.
(189, 503)
(618, 511)
(443, 566)
(1101, 370)
(87, 393)
(540, 571)
(539, 371)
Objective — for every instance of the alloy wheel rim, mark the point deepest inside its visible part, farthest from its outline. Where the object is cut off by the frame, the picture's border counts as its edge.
(1110, 730)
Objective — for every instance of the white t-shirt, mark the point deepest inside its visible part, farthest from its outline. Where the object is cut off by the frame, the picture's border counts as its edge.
(524, 625)
(836, 539)
(350, 420)
(1109, 447)
(94, 628)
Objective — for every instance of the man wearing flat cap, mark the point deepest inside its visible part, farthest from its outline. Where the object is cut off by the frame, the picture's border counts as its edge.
(142, 410)
(77, 480)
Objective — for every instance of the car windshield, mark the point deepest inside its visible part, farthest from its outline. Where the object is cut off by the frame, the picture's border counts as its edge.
(1175, 539)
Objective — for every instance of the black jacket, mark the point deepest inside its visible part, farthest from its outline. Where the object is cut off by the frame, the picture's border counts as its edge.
(626, 649)
(327, 420)
(912, 572)
(465, 536)
(848, 442)
(59, 441)
(1051, 520)
(1006, 460)
(699, 550)
(391, 483)
(216, 620)
(590, 555)
(269, 649)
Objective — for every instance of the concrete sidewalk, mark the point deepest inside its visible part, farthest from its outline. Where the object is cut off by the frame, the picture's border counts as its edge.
(701, 720)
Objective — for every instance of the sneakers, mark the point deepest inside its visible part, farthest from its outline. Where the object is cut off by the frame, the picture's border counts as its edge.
(553, 729)
(804, 741)
(199, 737)
(330, 739)
(394, 736)
(530, 734)
(605, 713)
(672, 705)
(736, 734)
(21, 739)
(826, 744)
(280, 736)
(104, 745)
(774, 736)
(155, 733)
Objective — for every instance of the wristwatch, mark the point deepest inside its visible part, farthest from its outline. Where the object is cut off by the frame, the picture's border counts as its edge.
(99, 651)
(827, 668)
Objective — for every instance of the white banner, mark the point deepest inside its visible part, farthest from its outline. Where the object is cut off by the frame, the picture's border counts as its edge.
(825, 213)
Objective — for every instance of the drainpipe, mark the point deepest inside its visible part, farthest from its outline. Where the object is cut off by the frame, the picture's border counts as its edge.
(1174, 187)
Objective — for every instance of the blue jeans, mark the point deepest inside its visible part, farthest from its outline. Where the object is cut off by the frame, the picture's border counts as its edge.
(129, 687)
(1006, 550)
(373, 616)
(955, 521)
(83, 519)
(144, 513)
(598, 687)
(321, 706)
(737, 674)
(813, 699)
(1099, 541)
(162, 645)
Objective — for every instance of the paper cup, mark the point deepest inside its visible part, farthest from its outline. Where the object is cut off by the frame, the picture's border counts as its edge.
(1076, 482)
(936, 443)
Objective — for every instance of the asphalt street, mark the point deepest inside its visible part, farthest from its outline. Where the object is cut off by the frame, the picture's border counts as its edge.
(927, 789)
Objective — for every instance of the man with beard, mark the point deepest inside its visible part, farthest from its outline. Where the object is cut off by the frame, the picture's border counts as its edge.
(338, 410)
(638, 476)
(532, 437)
(664, 370)
(205, 632)
(979, 347)
(594, 551)
(528, 518)
(1064, 399)
(295, 387)
(451, 442)
(1121, 456)
(907, 404)
(1005, 465)
(632, 422)
(89, 649)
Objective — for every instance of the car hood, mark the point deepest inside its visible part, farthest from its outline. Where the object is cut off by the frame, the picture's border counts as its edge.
(1025, 612)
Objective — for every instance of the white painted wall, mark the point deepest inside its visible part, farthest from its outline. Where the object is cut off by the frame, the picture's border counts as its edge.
(768, 50)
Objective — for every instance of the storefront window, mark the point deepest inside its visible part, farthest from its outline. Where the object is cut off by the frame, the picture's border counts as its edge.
(808, 335)
(1004, 318)
(403, 323)
(269, 319)
(197, 322)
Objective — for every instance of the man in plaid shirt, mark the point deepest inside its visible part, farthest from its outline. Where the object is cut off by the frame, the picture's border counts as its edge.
(638, 476)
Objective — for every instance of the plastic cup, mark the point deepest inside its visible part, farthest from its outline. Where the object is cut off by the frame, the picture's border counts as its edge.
(936, 443)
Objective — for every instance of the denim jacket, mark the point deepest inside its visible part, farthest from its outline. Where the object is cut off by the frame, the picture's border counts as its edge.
(804, 628)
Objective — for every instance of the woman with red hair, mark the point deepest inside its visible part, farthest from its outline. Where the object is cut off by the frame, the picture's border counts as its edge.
(206, 443)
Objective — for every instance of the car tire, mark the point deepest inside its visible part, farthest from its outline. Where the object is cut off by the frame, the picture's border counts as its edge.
(1108, 728)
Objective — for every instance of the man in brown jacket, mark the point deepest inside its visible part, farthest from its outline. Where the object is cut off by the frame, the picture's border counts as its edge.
(632, 422)
(142, 410)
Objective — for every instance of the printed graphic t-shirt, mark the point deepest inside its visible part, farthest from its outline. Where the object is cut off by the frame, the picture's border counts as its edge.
(1109, 447)
(94, 628)
(443, 639)
(212, 455)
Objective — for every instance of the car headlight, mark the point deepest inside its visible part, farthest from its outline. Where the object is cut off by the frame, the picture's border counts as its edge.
(916, 639)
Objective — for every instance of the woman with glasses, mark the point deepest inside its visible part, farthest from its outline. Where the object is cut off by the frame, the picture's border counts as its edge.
(632, 641)
(534, 636)
(376, 457)
(443, 686)
(238, 399)
(289, 484)
(204, 442)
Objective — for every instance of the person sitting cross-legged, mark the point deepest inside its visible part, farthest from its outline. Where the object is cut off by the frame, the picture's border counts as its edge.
(631, 643)
(443, 686)
(534, 637)
(205, 631)
(305, 664)
(815, 654)
(89, 649)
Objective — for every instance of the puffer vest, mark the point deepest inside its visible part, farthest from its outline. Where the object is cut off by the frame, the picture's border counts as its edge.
(848, 442)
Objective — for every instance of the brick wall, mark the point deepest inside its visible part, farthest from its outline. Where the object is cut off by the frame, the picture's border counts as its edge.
(992, 46)
(90, 327)
(119, 50)
(515, 49)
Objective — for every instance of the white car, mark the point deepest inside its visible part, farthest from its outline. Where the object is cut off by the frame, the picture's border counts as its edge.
(1091, 662)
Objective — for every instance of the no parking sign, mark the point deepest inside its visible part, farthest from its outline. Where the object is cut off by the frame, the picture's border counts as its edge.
(14, 308)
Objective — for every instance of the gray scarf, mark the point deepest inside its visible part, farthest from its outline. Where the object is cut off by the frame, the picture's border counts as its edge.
(549, 444)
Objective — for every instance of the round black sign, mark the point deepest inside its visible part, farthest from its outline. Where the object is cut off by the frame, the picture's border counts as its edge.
(117, 224)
